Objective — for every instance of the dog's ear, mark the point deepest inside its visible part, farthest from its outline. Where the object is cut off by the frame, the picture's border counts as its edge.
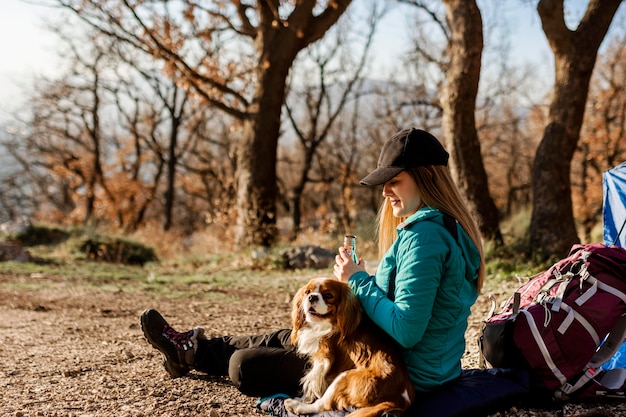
(349, 312)
(298, 317)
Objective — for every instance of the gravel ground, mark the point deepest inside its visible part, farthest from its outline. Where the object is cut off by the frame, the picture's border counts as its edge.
(70, 350)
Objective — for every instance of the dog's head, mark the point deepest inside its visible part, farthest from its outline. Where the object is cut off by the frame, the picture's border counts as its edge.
(326, 303)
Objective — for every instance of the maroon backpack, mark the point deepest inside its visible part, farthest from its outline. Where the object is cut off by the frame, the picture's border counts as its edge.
(564, 323)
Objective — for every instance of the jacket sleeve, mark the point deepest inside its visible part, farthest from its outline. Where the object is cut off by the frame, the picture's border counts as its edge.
(420, 267)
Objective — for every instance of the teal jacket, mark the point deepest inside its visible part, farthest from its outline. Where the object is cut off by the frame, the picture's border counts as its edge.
(436, 285)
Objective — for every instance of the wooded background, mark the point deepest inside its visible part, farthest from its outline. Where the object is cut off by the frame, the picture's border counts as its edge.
(262, 116)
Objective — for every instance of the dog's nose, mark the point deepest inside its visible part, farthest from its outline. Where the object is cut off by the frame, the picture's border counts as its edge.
(313, 298)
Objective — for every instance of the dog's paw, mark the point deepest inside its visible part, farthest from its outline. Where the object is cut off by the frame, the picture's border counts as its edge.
(297, 406)
(292, 404)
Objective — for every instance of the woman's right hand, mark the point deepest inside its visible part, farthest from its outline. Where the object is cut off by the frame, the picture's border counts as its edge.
(345, 267)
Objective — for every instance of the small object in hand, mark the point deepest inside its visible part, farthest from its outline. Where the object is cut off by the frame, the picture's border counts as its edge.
(349, 243)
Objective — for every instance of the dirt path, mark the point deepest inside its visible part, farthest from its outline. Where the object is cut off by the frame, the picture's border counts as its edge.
(75, 351)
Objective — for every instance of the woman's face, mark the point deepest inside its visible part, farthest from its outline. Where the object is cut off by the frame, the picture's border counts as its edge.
(401, 191)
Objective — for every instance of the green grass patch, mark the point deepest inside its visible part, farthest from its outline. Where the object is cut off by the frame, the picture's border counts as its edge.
(87, 258)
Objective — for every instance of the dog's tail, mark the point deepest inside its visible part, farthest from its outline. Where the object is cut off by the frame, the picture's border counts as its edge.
(377, 410)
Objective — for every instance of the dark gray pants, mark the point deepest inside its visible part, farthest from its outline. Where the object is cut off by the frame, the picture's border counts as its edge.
(258, 365)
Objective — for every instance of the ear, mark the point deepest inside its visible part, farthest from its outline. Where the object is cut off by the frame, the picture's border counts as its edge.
(297, 314)
(349, 311)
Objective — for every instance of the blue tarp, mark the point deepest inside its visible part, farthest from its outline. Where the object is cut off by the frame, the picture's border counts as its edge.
(614, 205)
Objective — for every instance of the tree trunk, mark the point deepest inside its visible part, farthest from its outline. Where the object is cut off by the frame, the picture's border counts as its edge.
(256, 160)
(298, 190)
(172, 162)
(459, 103)
(552, 228)
(95, 174)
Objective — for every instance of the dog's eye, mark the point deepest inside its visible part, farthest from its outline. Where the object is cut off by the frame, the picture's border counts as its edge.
(328, 296)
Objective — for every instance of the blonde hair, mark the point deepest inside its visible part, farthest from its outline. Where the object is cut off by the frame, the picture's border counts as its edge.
(436, 189)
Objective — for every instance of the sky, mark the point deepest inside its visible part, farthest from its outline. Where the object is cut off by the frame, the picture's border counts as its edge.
(28, 49)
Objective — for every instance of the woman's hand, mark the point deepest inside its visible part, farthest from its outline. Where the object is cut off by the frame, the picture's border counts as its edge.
(345, 266)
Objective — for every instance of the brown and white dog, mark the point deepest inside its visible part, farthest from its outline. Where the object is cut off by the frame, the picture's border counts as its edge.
(353, 362)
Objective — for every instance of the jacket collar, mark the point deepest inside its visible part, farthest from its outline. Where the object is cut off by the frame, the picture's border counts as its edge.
(424, 213)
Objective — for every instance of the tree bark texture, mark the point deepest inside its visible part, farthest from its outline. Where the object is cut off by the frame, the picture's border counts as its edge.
(459, 102)
(552, 229)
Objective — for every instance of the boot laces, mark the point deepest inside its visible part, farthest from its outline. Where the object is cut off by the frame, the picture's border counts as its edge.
(181, 340)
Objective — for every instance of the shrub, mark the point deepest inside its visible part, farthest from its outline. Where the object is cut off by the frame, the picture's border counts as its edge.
(116, 250)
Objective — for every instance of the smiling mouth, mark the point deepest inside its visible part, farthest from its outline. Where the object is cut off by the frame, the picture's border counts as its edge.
(316, 314)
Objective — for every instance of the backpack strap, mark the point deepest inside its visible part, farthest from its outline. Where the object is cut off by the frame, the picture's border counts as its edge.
(610, 346)
(391, 290)
(449, 223)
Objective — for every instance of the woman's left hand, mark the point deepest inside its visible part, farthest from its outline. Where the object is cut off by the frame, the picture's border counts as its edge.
(345, 266)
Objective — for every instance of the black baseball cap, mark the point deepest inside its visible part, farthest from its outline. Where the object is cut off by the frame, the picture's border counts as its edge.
(406, 149)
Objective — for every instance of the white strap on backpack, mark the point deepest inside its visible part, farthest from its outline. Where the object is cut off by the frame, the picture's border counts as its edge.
(612, 379)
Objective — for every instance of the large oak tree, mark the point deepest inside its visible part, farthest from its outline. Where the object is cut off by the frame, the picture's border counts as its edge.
(552, 228)
(464, 49)
(236, 55)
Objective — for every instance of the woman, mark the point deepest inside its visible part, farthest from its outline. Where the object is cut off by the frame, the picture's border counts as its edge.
(431, 271)
(429, 277)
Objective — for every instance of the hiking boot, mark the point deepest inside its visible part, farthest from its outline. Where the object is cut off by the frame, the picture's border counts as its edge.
(178, 349)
